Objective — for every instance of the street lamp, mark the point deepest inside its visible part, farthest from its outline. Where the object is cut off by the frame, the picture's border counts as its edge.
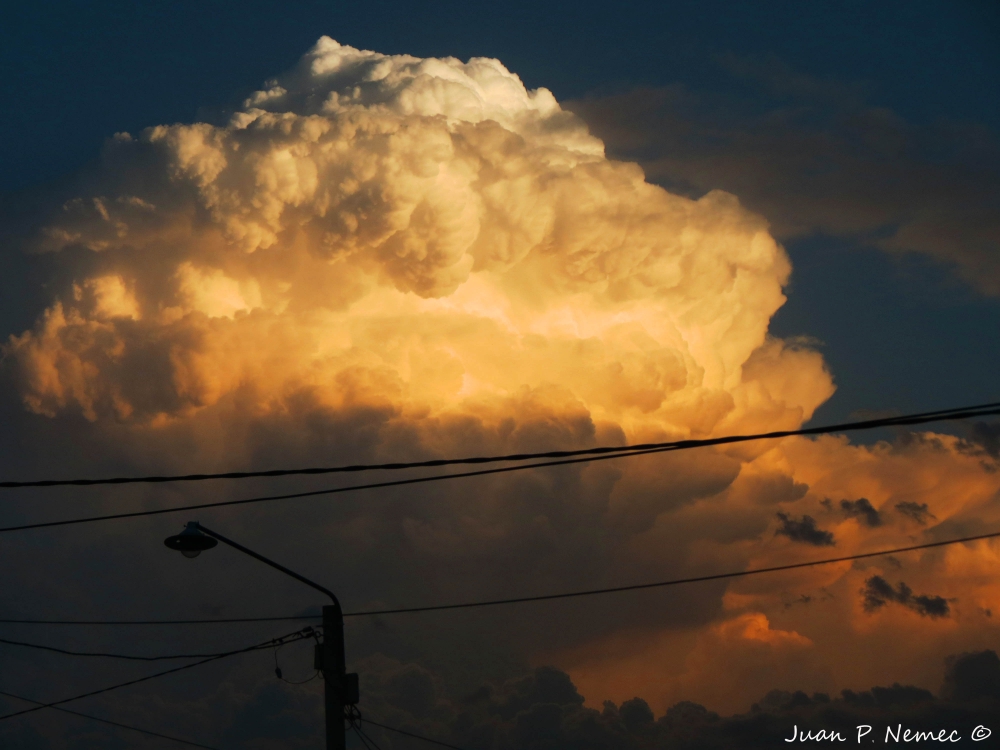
(190, 542)
(340, 688)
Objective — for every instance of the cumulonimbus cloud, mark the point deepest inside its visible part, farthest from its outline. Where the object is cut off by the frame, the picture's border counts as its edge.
(427, 232)
(429, 245)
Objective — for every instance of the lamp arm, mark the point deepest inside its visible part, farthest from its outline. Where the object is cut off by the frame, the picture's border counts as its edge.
(276, 566)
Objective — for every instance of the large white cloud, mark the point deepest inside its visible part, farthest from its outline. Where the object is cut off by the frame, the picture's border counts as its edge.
(427, 232)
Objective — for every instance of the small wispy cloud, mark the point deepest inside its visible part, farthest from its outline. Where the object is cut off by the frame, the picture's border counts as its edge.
(863, 509)
(804, 530)
(878, 592)
(918, 512)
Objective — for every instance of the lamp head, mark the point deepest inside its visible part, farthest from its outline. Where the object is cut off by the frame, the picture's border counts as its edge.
(191, 542)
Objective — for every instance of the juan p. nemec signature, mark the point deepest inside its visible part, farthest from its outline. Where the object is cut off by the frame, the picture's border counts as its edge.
(897, 733)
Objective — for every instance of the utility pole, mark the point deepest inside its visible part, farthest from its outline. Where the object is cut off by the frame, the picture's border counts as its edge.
(340, 689)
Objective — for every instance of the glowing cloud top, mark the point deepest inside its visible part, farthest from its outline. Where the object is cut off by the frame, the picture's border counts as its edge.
(421, 233)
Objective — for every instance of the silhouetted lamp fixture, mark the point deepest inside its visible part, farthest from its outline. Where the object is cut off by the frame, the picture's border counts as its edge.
(339, 688)
(191, 542)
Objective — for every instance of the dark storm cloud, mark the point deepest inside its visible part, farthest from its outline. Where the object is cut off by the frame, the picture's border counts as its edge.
(919, 512)
(878, 592)
(863, 509)
(972, 677)
(544, 710)
(815, 158)
(634, 713)
(983, 439)
(804, 530)
(987, 434)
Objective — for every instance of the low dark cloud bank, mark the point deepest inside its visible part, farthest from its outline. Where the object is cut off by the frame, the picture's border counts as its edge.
(545, 711)
(541, 710)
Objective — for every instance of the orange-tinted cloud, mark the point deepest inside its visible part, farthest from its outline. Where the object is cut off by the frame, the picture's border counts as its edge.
(942, 601)
(389, 256)
(427, 224)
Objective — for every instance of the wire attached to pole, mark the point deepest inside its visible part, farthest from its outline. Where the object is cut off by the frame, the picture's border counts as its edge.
(290, 638)
(106, 655)
(118, 724)
(410, 734)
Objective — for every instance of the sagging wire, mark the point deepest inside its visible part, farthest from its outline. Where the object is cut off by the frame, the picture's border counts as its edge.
(277, 669)
(353, 717)
(408, 734)
(291, 637)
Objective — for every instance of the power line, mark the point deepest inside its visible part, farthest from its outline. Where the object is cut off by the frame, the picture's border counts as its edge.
(130, 657)
(546, 597)
(362, 737)
(673, 582)
(278, 674)
(111, 723)
(634, 451)
(218, 621)
(410, 734)
(316, 493)
(593, 454)
(354, 719)
(290, 638)
(308, 632)
(964, 412)
(661, 448)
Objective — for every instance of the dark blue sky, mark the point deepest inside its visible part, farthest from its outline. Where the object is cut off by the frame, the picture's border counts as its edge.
(75, 72)
(899, 334)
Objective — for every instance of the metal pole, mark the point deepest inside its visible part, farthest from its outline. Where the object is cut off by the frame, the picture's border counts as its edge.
(334, 677)
(265, 560)
(340, 688)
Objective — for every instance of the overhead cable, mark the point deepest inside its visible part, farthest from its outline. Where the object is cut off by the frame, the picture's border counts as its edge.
(105, 655)
(681, 445)
(109, 722)
(964, 412)
(354, 720)
(672, 582)
(410, 734)
(546, 597)
(216, 621)
(290, 638)
(361, 737)
(317, 493)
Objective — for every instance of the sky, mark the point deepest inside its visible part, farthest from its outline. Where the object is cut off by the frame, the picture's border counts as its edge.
(239, 237)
